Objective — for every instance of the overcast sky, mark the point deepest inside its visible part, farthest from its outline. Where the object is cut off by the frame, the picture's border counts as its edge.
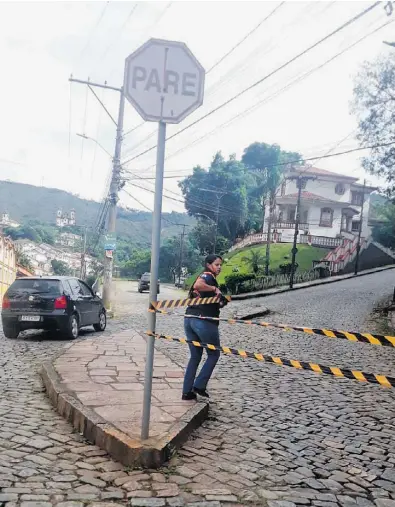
(41, 44)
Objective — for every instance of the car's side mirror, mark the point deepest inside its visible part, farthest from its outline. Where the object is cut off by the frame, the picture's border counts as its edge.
(98, 294)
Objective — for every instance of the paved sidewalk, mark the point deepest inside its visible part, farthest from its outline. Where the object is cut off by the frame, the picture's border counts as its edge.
(307, 285)
(98, 385)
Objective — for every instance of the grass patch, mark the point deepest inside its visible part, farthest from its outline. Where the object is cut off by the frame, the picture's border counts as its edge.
(305, 257)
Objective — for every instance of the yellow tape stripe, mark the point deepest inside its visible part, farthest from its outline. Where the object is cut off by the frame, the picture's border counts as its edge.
(372, 339)
(315, 367)
(391, 339)
(329, 370)
(296, 364)
(329, 333)
(383, 380)
(359, 375)
(337, 371)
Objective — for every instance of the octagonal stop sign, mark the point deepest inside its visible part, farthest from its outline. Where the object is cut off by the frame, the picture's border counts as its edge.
(164, 81)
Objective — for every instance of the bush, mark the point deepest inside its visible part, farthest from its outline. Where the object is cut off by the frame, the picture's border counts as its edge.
(234, 281)
(285, 269)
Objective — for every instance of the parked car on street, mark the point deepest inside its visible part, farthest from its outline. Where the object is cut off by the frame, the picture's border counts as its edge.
(144, 283)
(53, 303)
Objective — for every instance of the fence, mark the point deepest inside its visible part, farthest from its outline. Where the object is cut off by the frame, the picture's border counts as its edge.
(268, 282)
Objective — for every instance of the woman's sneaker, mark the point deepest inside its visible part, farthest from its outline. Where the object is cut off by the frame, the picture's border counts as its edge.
(189, 396)
(201, 392)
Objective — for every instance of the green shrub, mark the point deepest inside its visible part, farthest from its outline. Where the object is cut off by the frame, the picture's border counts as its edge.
(235, 280)
(285, 269)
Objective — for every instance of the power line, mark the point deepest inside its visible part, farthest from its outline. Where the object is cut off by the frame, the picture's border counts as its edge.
(267, 99)
(261, 80)
(101, 16)
(210, 69)
(245, 37)
(118, 33)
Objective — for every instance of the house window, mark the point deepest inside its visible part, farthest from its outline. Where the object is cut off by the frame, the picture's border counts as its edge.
(355, 225)
(283, 187)
(326, 217)
(356, 198)
(340, 189)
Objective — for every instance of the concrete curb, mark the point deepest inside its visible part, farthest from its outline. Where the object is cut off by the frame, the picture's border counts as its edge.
(128, 451)
(307, 285)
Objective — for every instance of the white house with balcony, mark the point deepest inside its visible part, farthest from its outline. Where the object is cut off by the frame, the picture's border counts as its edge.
(330, 217)
(330, 209)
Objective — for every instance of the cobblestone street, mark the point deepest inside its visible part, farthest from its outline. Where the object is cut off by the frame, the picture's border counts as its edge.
(276, 436)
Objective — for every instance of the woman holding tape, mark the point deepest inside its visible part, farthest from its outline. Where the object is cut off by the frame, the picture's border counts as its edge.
(203, 331)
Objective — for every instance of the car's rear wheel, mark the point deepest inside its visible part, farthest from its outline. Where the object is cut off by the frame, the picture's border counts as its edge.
(72, 329)
(101, 325)
(11, 331)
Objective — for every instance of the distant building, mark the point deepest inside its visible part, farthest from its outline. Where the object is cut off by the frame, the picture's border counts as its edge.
(7, 264)
(68, 239)
(5, 220)
(63, 219)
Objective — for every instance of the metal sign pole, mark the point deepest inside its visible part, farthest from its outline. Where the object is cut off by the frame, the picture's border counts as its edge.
(156, 228)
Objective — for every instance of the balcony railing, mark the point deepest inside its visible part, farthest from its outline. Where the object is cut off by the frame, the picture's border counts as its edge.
(289, 225)
(322, 241)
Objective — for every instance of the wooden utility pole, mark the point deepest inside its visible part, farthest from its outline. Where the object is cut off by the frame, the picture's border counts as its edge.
(83, 254)
(114, 186)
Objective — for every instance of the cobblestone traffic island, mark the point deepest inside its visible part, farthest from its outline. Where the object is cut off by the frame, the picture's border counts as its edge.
(97, 385)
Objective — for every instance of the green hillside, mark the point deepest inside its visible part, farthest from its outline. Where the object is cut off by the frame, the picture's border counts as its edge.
(280, 253)
(27, 202)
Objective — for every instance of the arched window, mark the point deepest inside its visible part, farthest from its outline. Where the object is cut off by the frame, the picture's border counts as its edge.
(326, 219)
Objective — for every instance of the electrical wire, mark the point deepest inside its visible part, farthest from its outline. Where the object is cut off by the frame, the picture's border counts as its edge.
(240, 42)
(253, 30)
(267, 99)
(116, 37)
(101, 16)
(261, 80)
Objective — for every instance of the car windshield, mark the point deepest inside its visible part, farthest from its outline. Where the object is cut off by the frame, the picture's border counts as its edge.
(35, 286)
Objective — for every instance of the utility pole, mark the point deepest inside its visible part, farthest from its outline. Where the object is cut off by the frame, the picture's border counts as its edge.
(181, 253)
(272, 204)
(360, 230)
(115, 185)
(83, 254)
(300, 183)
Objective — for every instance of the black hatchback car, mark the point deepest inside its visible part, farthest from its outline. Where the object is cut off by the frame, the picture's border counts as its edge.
(54, 302)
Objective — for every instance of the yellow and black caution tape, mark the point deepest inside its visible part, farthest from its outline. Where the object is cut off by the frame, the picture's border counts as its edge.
(373, 339)
(178, 303)
(361, 376)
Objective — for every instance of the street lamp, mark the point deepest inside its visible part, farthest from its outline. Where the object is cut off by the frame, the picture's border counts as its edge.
(84, 136)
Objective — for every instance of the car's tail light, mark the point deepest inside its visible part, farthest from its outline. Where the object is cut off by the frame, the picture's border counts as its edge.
(61, 303)
(6, 303)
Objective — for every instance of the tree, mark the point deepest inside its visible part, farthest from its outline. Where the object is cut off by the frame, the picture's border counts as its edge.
(374, 106)
(384, 233)
(201, 189)
(23, 260)
(255, 260)
(60, 268)
(202, 237)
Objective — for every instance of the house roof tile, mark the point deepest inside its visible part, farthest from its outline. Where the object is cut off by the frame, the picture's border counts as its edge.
(322, 172)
